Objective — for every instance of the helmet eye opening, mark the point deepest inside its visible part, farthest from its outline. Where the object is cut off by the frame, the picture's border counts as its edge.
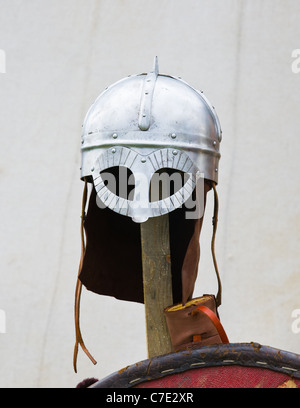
(120, 181)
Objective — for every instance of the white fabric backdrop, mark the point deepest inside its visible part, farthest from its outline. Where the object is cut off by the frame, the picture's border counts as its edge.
(58, 57)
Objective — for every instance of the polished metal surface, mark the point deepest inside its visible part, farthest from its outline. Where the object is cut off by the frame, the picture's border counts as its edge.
(147, 98)
(148, 122)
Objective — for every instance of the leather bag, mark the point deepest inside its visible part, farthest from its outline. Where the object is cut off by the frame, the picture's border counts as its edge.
(195, 324)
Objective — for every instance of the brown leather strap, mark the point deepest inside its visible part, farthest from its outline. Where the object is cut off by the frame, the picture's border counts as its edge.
(215, 223)
(79, 340)
(212, 316)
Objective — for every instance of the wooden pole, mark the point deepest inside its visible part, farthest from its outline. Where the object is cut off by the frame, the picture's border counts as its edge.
(157, 281)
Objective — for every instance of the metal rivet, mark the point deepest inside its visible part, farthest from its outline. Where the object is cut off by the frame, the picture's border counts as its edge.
(113, 150)
(143, 160)
(173, 135)
(92, 169)
(115, 135)
(174, 152)
(216, 170)
(214, 143)
(144, 115)
(82, 141)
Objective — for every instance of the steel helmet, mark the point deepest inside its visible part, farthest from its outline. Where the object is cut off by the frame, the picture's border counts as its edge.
(146, 123)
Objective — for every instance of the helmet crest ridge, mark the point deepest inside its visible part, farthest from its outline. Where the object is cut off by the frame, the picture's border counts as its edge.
(147, 96)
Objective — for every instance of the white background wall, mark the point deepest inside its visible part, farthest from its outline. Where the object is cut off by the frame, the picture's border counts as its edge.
(59, 57)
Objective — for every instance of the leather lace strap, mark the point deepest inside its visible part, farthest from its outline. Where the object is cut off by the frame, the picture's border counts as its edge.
(216, 322)
(215, 223)
(79, 340)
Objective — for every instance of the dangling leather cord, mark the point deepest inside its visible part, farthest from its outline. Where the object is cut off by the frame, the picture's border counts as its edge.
(215, 223)
(79, 340)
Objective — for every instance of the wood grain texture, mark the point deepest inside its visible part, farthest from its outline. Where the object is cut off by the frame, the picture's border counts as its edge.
(157, 281)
